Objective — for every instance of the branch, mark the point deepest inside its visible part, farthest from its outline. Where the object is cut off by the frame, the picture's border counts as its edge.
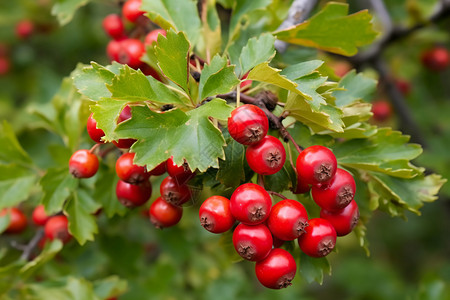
(28, 249)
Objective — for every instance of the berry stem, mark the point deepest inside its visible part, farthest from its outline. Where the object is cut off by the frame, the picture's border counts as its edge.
(28, 249)
(291, 161)
(277, 194)
(94, 147)
(261, 180)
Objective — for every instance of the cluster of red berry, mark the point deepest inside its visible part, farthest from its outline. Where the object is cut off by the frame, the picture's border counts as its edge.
(263, 228)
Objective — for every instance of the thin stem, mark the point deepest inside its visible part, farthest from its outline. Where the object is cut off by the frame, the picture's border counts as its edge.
(28, 249)
(93, 148)
(238, 95)
(291, 160)
(261, 180)
(297, 147)
(277, 194)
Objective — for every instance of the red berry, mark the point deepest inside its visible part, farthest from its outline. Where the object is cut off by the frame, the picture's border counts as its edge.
(39, 215)
(319, 239)
(436, 59)
(341, 68)
(215, 214)
(125, 114)
(24, 29)
(159, 169)
(381, 110)
(181, 173)
(83, 164)
(403, 85)
(113, 26)
(252, 242)
(131, 10)
(287, 220)
(152, 36)
(248, 124)
(163, 214)
(149, 71)
(94, 132)
(266, 157)
(246, 84)
(113, 50)
(57, 227)
(343, 220)
(5, 65)
(250, 204)
(128, 171)
(17, 220)
(277, 270)
(173, 193)
(316, 165)
(132, 195)
(130, 52)
(277, 243)
(301, 187)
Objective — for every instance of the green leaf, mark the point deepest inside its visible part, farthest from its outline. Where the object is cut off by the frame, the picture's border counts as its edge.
(106, 112)
(332, 30)
(110, 287)
(91, 80)
(57, 185)
(265, 73)
(64, 10)
(105, 194)
(15, 184)
(240, 10)
(211, 31)
(217, 78)
(69, 288)
(50, 250)
(179, 15)
(257, 51)
(82, 222)
(11, 150)
(313, 268)
(231, 170)
(172, 53)
(226, 242)
(190, 136)
(356, 86)
(4, 222)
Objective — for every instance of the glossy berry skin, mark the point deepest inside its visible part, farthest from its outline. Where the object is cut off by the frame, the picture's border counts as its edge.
(277, 270)
(113, 26)
(181, 173)
(95, 133)
(113, 50)
(287, 220)
(173, 193)
(128, 171)
(337, 194)
(57, 227)
(215, 214)
(382, 110)
(250, 204)
(266, 157)
(24, 29)
(39, 215)
(159, 169)
(319, 239)
(83, 164)
(316, 165)
(131, 10)
(17, 220)
(248, 124)
(125, 114)
(163, 214)
(152, 36)
(132, 195)
(343, 220)
(436, 59)
(252, 242)
(130, 52)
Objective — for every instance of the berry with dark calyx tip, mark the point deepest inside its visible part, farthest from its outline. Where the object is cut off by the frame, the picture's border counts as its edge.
(125, 114)
(174, 193)
(287, 220)
(94, 132)
(24, 29)
(266, 157)
(250, 204)
(382, 110)
(215, 214)
(181, 173)
(436, 59)
(159, 169)
(113, 50)
(301, 187)
(337, 194)
(252, 242)
(163, 214)
(128, 171)
(113, 26)
(132, 195)
(39, 215)
(131, 10)
(5, 65)
(17, 220)
(343, 220)
(83, 164)
(152, 36)
(130, 52)
(319, 239)
(57, 227)
(277, 270)
(248, 124)
(316, 165)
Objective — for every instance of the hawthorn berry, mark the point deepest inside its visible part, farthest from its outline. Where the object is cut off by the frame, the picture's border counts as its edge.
(24, 29)
(301, 187)
(152, 36)
(436, 59)
(125, 114)
(245, 84)
(57, 227)
(131, 10)
(174, 193)
(113, 50)
(130, 52)
(319, 238)
(113, 26)
(287, 220)
(252, 242)
(159, 169)
(5, 65)
(382, 110)
(83, 164)
(343, 220)
(316, 165)
(250, 204)
(215, 214)
(181, 173)
(266, 157)
(248, 124)
(17, 220)
(128, 171)
(163, 214)
(39, 215)
(337, 194)
(132, 195)
(403, 85)
(277, 270)
(94, 132)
